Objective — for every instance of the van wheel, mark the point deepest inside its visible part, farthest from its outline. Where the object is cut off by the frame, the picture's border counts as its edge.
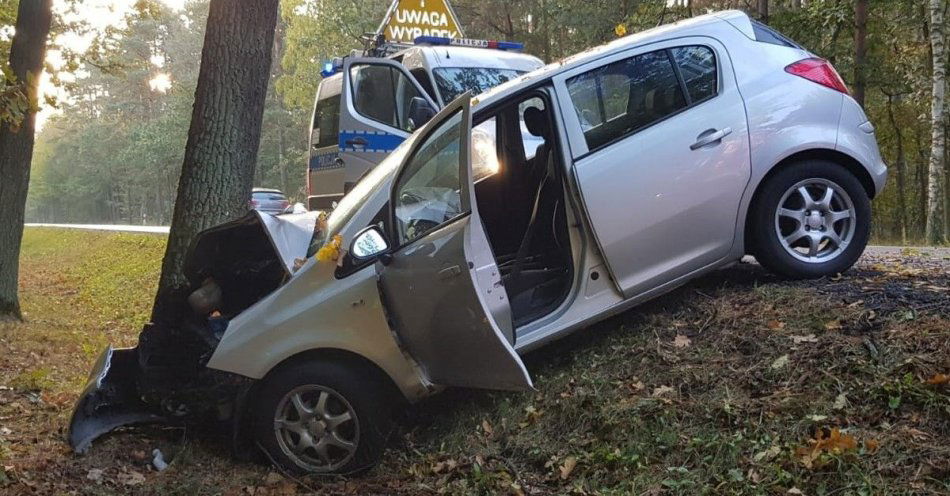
(319, 418)
(810, 220)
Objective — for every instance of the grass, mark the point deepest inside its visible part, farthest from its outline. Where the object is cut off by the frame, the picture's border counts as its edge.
(733, 384)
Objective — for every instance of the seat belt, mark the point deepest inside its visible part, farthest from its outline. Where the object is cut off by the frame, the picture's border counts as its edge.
(526, 240)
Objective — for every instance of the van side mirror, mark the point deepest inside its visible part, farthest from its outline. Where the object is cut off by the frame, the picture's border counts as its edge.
(368, 243)
(420, 112)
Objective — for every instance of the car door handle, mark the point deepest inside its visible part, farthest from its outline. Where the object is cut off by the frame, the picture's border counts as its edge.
(449, 272)
(356, 142)
(709, 137)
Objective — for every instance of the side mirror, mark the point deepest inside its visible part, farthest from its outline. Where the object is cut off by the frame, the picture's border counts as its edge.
(368, 243)
(420, 112)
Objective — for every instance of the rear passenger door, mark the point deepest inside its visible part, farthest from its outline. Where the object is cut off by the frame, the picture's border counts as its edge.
(374, 115)
(660, 145)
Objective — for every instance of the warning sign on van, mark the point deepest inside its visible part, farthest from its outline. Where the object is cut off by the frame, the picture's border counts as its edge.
(410, 19)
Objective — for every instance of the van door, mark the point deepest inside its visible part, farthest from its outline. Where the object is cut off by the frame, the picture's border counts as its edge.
(374, 116)
(440, 285)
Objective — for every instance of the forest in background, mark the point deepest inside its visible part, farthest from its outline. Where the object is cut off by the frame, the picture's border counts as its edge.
(114, 151)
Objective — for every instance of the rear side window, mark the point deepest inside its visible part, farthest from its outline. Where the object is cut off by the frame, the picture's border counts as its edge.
(383, 94)
(766, 34)
(625, 96)
(697, 66)
(326, 121)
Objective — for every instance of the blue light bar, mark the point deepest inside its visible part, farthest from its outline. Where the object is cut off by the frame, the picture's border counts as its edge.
(331, 67)
(468, 42)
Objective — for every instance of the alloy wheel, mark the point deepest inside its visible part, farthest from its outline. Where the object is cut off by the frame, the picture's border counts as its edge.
(316, 428)
(815, 220)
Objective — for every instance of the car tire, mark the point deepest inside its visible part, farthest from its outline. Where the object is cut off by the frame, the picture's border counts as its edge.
(344, 434)
(808, 238)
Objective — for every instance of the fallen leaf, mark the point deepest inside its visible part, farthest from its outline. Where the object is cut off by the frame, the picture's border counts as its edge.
(567, 467)
(804, 339)
(487, 427)
(273, 478)
(681, 341)
(834, 443)
(833, 325)
(780, 362)
(776, 325)
(638, 386)
(938, 379)
(663, 390)
(767, 455)
(796, 491)
(131, 478)
(871, 446)
(94, 474)
(817, 418)
(841, 401)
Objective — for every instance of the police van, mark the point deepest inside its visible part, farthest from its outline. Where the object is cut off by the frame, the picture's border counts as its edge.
(367, 105)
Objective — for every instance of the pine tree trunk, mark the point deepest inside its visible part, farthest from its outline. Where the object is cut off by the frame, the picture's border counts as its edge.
(221, 152)
(899, 165)
(763, 10)
(27, 53)
(860, 49)
(935, 202)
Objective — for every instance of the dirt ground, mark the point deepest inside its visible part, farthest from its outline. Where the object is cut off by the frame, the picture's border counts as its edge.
(738, 383)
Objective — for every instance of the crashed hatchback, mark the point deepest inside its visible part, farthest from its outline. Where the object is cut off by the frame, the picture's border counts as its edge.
(652, 160)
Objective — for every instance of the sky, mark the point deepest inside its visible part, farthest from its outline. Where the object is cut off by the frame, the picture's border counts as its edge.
(99, 14)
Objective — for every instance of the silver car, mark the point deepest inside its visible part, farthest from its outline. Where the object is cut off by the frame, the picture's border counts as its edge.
(663, 156)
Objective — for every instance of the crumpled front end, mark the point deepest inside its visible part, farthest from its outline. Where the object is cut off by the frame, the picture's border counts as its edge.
(109, 400)
(165, 378)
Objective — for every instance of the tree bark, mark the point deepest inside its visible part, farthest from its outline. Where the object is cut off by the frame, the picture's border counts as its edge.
(860, 49)
(763, 10)
(933, 233)
(899, 165)
(221, 152)
(27, 53)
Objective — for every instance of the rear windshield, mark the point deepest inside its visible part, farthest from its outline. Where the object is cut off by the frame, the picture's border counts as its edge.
(453, 81)
(268, 196)
(326, 121)
(766, 34)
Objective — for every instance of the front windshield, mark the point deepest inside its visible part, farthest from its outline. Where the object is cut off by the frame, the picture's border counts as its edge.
(453, 81)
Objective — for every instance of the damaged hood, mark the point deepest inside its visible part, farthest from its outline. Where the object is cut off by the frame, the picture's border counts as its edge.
(287, 238)
(290, 234)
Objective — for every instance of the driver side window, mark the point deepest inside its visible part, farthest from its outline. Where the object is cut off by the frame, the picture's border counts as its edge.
(383, 94)
(428, 192)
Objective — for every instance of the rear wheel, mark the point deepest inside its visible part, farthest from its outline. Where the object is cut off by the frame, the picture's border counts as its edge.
(318, 418)
(810, 220)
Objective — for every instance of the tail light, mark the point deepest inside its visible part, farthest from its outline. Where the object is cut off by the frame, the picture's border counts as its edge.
(818, 71)
(253, 203)
(284, 204)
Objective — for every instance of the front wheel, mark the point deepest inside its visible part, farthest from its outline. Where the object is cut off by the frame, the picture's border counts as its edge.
(320, 418)
(810, 220)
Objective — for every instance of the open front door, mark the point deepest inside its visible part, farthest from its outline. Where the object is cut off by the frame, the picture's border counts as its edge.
(375, 113)
(440, 285)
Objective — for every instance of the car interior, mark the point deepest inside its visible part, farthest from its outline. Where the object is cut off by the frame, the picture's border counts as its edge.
(521, 200)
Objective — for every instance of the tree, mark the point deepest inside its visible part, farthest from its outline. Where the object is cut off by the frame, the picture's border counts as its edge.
(221, 153)
(935, 201)
(763, 8)
(27, 53)
(860, 49)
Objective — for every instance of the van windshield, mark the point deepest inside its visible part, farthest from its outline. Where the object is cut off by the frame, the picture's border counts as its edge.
(453, 81)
